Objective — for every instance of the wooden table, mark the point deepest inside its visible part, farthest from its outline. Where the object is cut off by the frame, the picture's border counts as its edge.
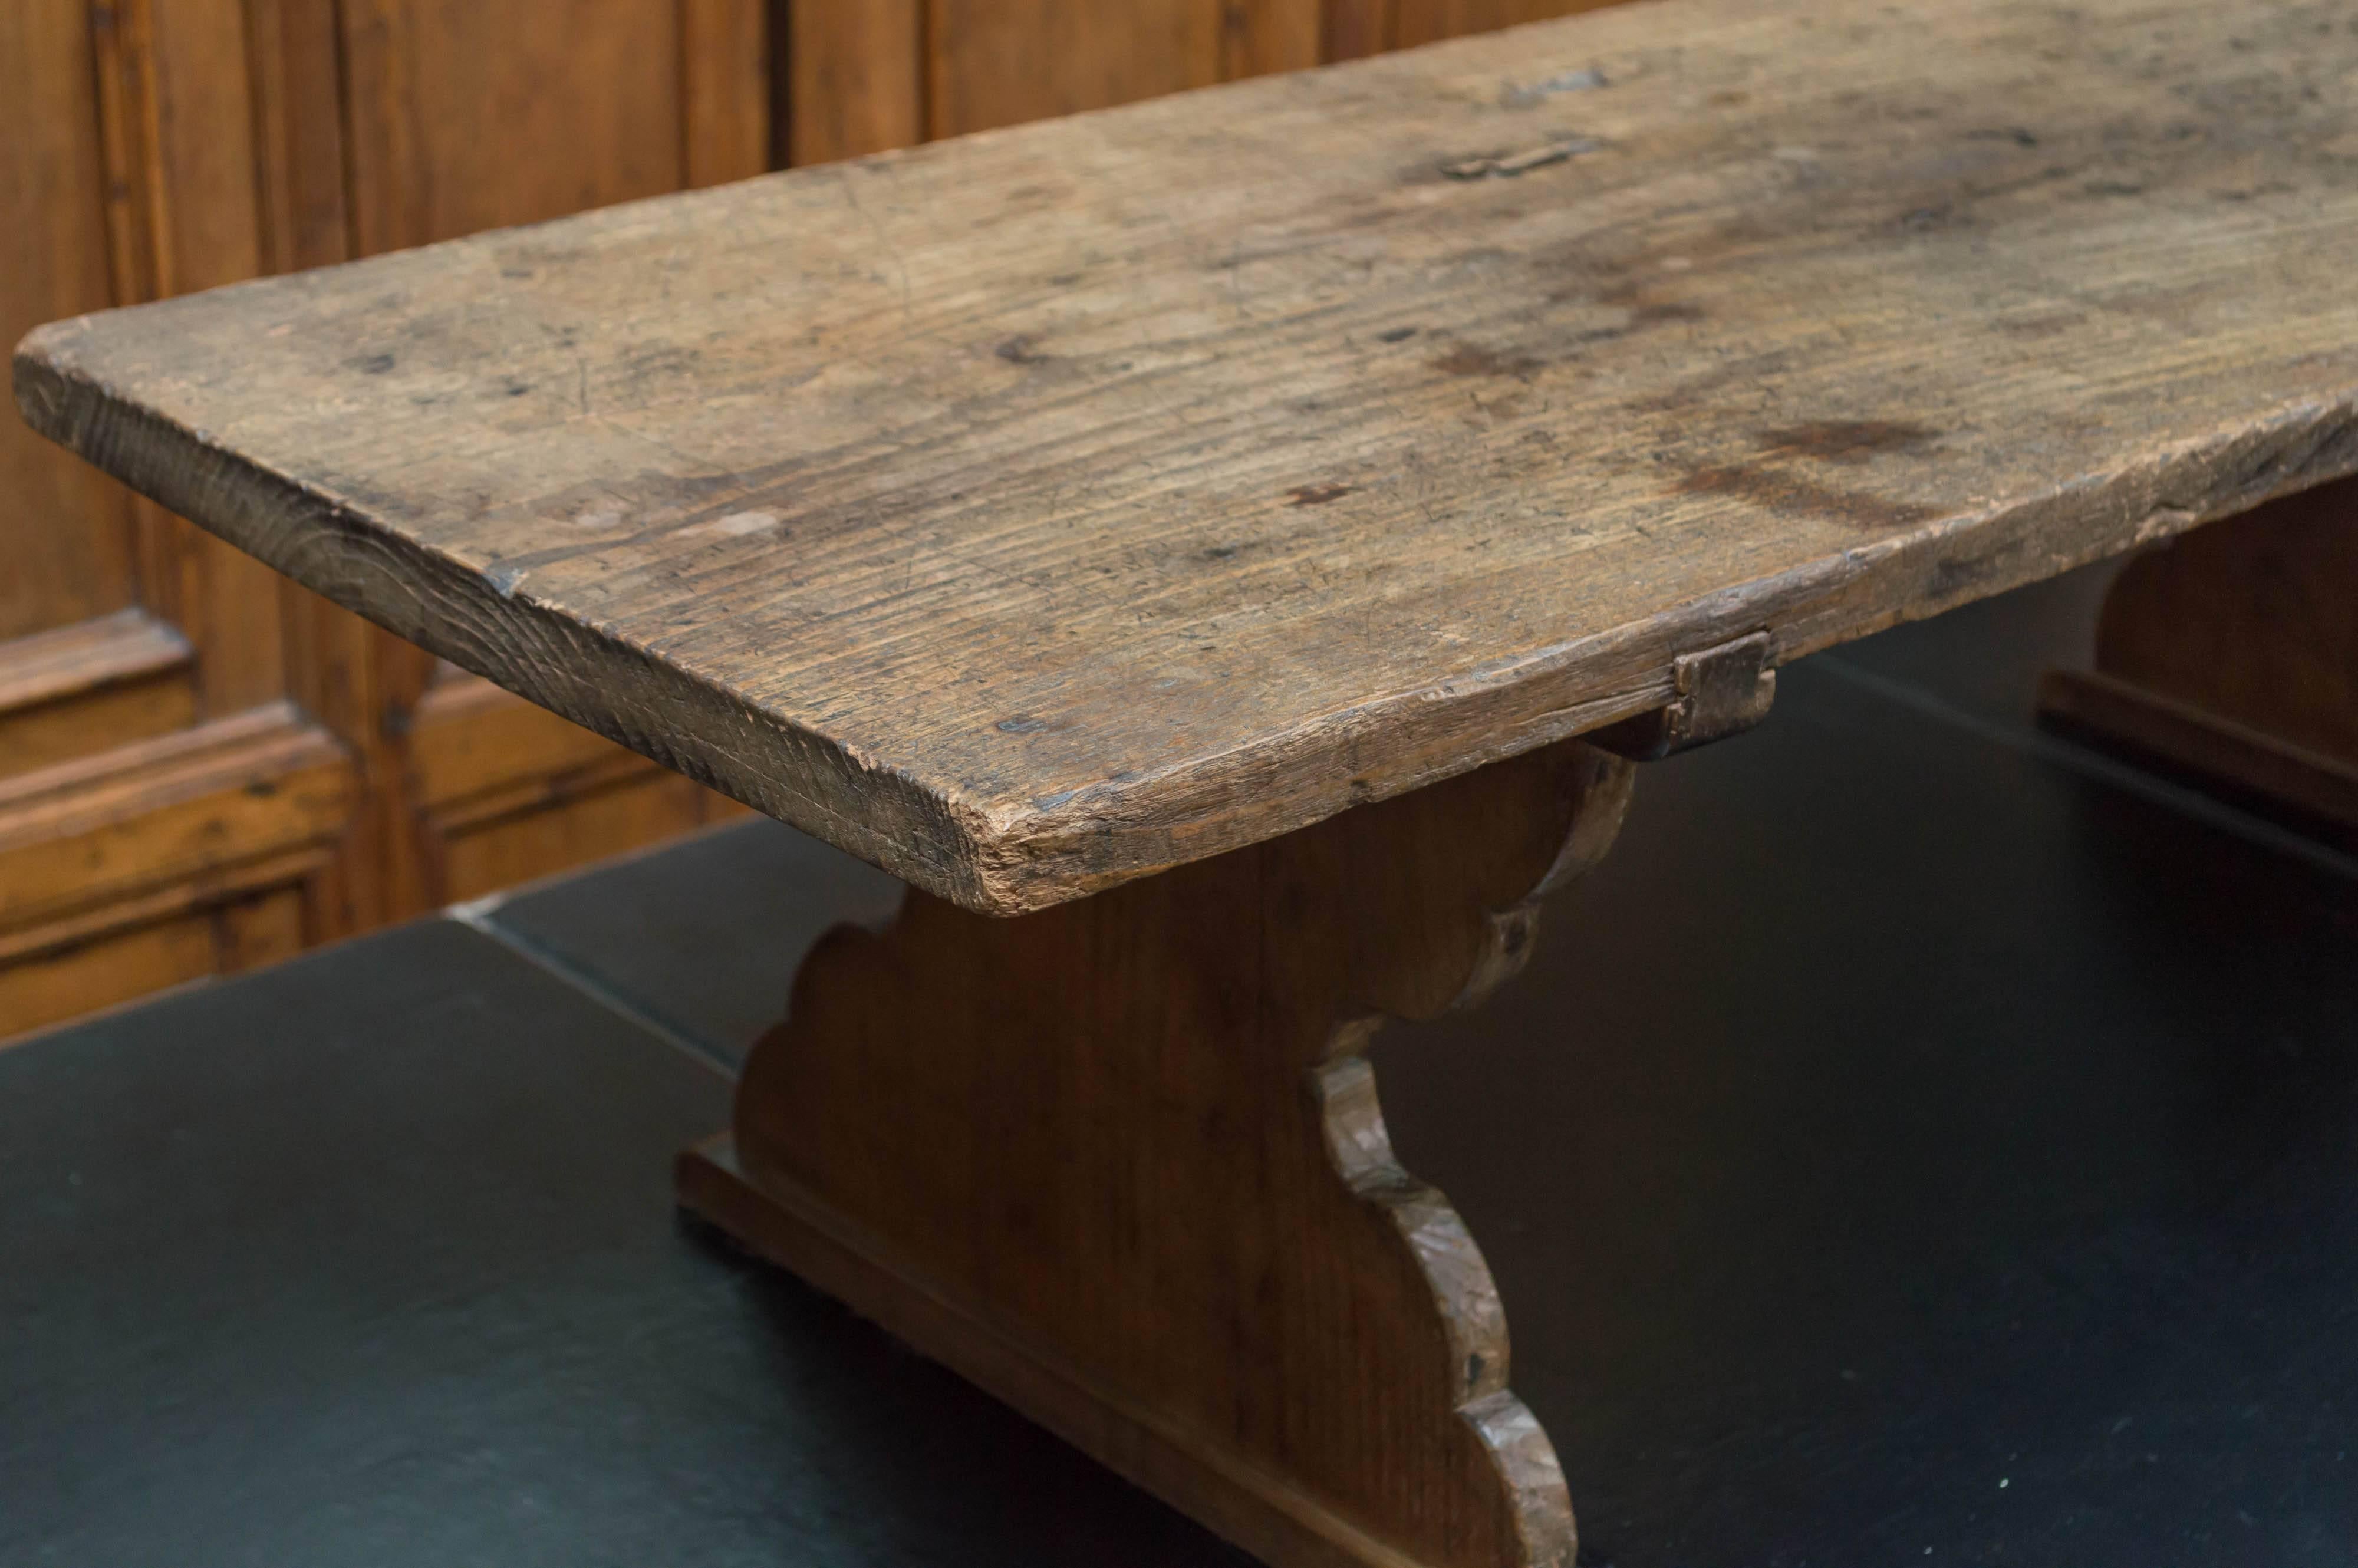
(1075, 521)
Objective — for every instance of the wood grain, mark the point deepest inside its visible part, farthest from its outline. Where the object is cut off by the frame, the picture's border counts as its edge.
(165, 859)
(1415, 22)
(997, 62)
(1031, 512)
(1121, 1162)
(2255, 620)
(724, 90)
(2232, 654)
(139, 949)
(65, 531)
(857, 78)
(76, 689)
(183, 807)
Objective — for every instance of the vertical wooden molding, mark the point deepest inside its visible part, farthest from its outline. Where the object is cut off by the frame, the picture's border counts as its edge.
(1121, 1161)
(1408, 23)
(123, 57)
(998, 62)
(67, 544)
(1356, 28)
(379, 151)
(1259, 37)
(176, 130)
(297, 72)
(857, 78)
(724, 90)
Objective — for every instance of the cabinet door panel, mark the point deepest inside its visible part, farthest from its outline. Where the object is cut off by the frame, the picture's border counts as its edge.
(163, 813)
(65, 533)
(201, 766)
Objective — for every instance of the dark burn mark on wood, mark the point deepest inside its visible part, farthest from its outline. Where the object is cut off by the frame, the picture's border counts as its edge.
(1219, 551)
(1318, 495)
(373, 364)
(1019, 350)
(1397, 335)
(1473, 358)
(1022, 724)
(1847, 441)
(1794, 496)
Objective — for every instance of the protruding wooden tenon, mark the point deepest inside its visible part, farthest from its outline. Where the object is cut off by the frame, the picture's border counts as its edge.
(2231, 655)
(1120, 1163)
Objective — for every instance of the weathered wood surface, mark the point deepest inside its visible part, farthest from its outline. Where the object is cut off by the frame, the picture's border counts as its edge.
(1121, 1164)
(1028, 513)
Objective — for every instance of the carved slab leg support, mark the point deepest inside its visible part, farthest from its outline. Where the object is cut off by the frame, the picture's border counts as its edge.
(1120, 1163)
(2232, 655)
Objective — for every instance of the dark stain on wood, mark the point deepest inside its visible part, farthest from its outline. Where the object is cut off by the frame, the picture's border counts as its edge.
(1019, 350)
(1473, 358)
(1846, 441)
(1791, 495)
(1318, 495)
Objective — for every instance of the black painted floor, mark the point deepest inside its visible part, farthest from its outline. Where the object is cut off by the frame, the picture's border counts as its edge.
(1921, 1141)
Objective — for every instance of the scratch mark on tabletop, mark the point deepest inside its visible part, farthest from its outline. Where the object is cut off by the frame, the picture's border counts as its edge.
(1506, 165)
(884, 238)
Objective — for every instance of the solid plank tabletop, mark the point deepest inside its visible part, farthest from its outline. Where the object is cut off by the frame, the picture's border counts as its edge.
(1034, 511)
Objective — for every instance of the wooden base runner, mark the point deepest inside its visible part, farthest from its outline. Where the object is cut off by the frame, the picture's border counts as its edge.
(2232, 655)
(1120, 1163)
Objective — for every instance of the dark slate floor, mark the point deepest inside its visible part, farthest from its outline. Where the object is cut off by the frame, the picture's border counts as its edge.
(1922, 1140)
